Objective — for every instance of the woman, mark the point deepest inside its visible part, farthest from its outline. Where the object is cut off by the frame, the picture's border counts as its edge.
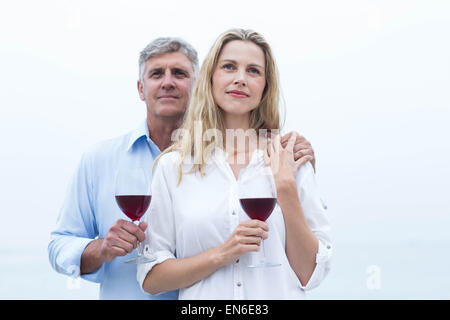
(197, 229)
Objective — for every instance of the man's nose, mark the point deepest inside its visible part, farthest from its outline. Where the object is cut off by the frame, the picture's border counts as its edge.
(168, 81)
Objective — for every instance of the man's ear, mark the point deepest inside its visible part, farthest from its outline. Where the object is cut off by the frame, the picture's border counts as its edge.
(140, 88)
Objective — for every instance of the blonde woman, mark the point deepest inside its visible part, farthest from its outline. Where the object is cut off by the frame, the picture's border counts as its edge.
(197, 230)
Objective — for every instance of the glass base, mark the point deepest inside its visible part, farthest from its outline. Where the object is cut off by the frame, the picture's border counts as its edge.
(264, 264)
(141, 259)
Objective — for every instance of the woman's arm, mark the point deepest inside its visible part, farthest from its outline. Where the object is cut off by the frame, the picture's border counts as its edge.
(174, 274)
(301, 243)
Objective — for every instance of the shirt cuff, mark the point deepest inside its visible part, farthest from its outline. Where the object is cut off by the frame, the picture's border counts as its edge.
(95, 276)
(144, 268)
(323, 261)
(68, 261)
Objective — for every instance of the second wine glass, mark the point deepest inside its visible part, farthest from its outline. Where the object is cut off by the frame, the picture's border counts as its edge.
(258, 197)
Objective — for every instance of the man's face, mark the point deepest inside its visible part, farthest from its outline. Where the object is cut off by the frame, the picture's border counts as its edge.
(167, 85)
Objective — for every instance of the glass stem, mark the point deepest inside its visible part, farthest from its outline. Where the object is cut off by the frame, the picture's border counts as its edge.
(139, 249)
(263, 250)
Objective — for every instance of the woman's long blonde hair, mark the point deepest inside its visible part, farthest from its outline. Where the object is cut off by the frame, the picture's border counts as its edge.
(203, 114)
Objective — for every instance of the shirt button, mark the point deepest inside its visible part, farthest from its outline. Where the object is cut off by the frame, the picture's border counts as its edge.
(239, 284)
(234, 213)
(237, 261)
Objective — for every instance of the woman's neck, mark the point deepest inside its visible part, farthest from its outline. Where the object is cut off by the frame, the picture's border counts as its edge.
(240, 140)
(234, 121)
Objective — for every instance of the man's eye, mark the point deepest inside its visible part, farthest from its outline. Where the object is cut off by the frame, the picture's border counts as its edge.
(155, 74)
(180, 73)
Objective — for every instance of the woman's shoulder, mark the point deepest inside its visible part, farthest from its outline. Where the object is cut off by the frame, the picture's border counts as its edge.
(305, 172)
(167, 160)
(168, 157)
(170, 161)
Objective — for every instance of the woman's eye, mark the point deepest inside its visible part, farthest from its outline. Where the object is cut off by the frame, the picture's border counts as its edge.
(254, 71)
(228, 66)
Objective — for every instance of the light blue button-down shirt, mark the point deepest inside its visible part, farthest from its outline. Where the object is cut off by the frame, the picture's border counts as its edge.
(90, 210)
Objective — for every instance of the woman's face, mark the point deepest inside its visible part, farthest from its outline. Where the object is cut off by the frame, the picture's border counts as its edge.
(239, 78)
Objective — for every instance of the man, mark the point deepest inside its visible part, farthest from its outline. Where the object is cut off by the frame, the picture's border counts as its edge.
(92, 234)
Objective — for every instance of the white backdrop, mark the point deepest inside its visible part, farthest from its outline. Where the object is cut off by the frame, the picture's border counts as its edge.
(367, 82)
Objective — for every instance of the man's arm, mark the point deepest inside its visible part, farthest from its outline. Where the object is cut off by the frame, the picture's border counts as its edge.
(91, 259)
(75, 228)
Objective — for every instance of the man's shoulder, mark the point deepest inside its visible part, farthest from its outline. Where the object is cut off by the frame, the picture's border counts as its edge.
(108, 147)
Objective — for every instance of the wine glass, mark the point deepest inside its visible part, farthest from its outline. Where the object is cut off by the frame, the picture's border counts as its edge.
(133, 196)
(258, 196)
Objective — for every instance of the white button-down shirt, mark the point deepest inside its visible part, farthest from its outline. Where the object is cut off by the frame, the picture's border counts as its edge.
(202, 212)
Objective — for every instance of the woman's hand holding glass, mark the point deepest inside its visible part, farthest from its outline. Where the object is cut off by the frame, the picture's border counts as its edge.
(245, 238)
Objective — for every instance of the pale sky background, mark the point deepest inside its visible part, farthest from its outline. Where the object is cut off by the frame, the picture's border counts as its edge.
(367, 82)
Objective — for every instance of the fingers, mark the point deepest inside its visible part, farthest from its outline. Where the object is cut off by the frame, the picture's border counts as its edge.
(143, 226)
(300, 142)
(306, 146)
(284, 139)
(276, 142)
(118, 251)
(290, 143)
(128, 238)
(256, 232)
(245, 238)
(251, 244)
(254, 223)
(116, 246)
(273, 148)
(133, 229)
(301, 148)
(299, 139)
(302, 152)
(303, 160)
(123, 236)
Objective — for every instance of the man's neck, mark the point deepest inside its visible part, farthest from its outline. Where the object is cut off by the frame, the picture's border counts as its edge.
(161, 130)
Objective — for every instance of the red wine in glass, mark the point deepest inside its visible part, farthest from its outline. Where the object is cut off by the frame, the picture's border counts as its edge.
(134, 206)
(258, 208)
(133, 196)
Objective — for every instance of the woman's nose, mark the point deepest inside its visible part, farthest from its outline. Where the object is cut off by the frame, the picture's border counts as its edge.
(240, 80)
(240, 77)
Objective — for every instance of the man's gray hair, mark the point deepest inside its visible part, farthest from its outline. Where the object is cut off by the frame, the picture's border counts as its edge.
(164, 45)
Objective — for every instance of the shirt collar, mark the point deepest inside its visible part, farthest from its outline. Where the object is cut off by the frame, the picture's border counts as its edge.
(140, 131)
(255, 165)
(256, 157)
